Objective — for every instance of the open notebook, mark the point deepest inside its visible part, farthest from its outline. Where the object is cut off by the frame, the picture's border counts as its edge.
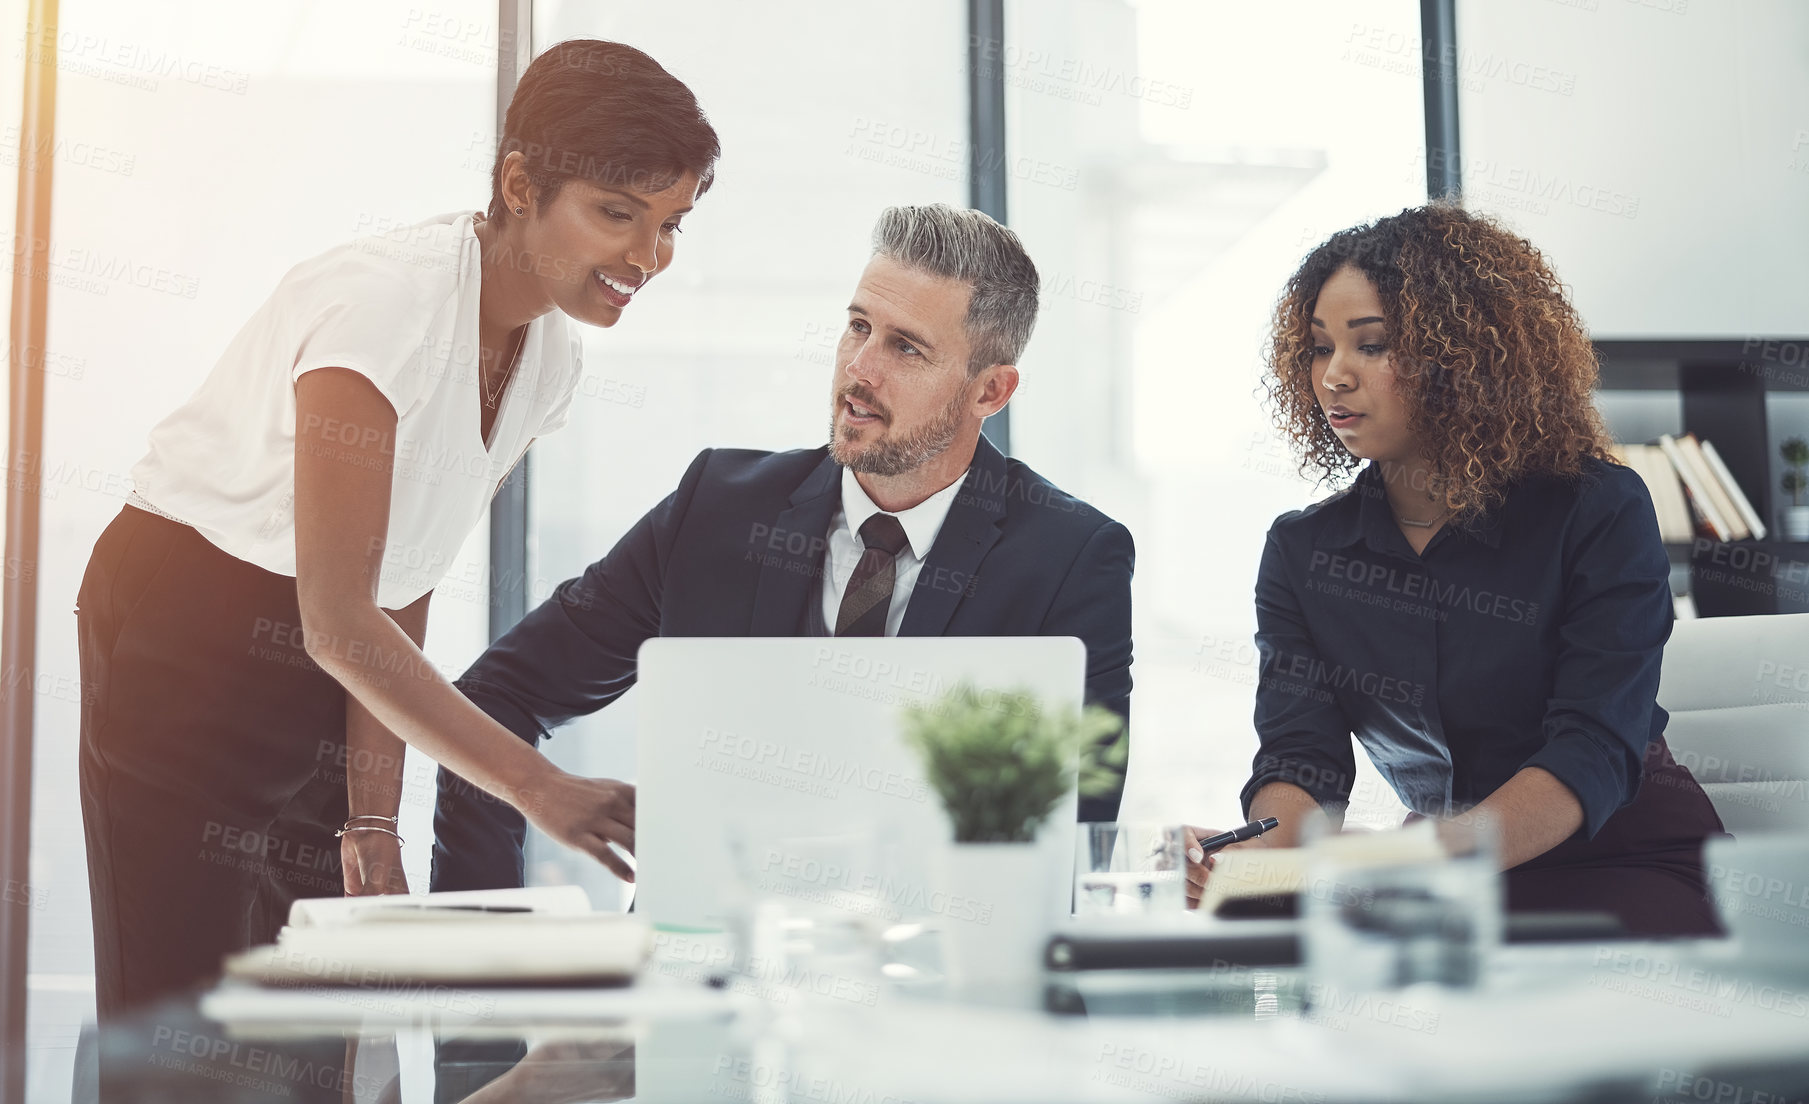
(1272, 872)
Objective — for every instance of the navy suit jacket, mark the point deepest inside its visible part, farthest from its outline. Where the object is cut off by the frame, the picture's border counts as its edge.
(738, 550)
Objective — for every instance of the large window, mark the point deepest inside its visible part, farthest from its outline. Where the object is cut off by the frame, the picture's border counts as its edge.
(202, 150)
(825, 120)
(1170, 163)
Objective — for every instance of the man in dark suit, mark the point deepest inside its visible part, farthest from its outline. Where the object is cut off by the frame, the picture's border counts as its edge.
(907, 523)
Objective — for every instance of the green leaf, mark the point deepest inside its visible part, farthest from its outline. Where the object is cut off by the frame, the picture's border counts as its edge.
(1001, 763)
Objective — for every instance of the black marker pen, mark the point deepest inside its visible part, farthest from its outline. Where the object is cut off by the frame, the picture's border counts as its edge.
(1237, 835)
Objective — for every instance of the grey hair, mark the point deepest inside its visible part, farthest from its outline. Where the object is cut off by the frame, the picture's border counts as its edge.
(970, 247)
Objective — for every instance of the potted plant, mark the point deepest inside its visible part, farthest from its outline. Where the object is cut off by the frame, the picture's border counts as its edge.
(1001, 762)
(1796, 480)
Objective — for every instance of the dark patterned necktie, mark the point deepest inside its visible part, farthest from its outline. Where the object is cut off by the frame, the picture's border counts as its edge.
(869, 595)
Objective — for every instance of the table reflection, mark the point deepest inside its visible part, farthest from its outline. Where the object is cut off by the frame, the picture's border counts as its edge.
(177, 1055)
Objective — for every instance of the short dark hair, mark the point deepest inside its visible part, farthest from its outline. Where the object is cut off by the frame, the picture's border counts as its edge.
(604, 112)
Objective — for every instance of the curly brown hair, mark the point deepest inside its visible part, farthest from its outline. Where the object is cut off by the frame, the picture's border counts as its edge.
(1491, 359)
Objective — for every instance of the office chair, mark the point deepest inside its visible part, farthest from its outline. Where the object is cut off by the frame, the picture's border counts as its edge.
(1737, 689)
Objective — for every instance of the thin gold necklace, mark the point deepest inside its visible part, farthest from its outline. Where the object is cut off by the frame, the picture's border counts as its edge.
(1427, 524)
(491, 397)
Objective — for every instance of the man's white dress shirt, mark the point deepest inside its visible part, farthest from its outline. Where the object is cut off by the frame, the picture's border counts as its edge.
(921, 523)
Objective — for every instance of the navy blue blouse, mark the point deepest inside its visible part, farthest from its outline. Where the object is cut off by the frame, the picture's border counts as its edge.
(1530, 638)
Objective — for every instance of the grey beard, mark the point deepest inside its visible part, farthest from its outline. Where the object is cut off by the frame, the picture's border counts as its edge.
(904, 455)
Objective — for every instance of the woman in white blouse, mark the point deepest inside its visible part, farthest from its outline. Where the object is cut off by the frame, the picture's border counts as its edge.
(251, 623)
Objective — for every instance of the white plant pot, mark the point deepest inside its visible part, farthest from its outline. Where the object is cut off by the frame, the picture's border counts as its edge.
(996, 920)
(1796, 523)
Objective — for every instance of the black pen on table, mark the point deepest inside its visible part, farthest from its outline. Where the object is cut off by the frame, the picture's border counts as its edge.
(1237, 835)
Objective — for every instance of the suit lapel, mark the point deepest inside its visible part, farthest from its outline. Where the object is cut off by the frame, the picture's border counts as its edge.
(792, 575)
(968, 533)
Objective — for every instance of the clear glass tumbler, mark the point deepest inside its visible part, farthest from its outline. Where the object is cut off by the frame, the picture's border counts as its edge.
(1126, 868)
(1376, 921)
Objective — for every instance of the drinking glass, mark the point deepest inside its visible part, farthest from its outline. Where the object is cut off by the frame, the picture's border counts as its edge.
(1376, 922)
(1128, 869)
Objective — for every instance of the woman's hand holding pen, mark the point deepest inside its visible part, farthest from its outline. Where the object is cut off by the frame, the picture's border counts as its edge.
(585, 814)
(1199, 864)
(1203, 846)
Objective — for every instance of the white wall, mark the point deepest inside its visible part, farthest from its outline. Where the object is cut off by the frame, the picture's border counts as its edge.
(1657, 150)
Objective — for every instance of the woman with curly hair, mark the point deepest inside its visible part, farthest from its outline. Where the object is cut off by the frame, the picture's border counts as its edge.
(1485, 605)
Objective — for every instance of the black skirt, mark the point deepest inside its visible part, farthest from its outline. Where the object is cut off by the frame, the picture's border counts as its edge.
(213, 758)
(1644, 865)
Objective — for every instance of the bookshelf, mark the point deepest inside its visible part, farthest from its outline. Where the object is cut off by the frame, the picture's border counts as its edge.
(1746, 395)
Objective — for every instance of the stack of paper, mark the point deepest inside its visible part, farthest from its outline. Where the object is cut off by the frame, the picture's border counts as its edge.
(566, 900)
(535, 936)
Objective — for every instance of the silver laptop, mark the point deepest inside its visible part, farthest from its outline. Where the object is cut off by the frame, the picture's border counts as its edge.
(780, 762)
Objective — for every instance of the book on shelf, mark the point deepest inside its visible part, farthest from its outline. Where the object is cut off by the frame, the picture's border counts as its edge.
(1691, 449)
(1650, 464)
(1742, 504)
(1695, 483)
